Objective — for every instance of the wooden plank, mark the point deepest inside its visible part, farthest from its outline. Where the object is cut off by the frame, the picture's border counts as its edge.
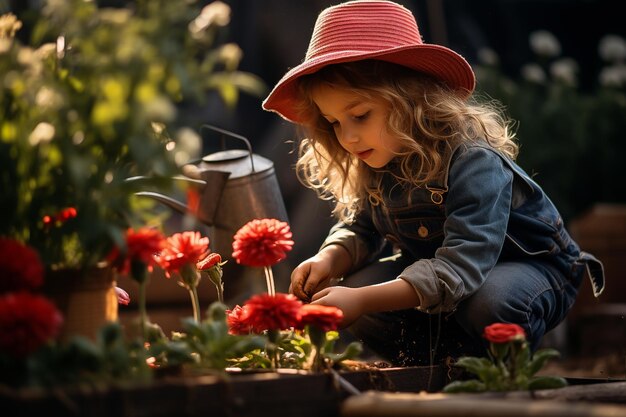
(377, 404)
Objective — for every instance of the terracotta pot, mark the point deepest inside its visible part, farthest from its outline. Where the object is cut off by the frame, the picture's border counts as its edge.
(86, 298)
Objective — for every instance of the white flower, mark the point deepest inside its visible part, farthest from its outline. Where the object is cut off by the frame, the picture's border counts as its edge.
(544, 43)
(42, 133)
(612, 48)
(565, 70)
(5, 45)
(613, 76)
(216, 13)
(9, 25)
(231, 54)
(533, 73)
(47, 97)
(160, 109)
(488, 56)
(158, 128)
(45, 50)
(188, 145)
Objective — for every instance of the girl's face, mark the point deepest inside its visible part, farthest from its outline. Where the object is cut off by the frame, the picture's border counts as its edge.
(359, 124)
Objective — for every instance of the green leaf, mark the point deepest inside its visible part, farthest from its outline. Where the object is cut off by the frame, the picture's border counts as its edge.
(521, 359)
(110, 334)
(353, 350)
(546, 382)
(217, 311)
(473, 364)
(472, 385)
(539, 359)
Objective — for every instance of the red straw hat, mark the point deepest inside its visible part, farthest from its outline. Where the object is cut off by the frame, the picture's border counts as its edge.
(370, 29)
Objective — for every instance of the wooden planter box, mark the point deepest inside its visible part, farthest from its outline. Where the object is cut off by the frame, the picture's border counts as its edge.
(281, 393)
(597, 399)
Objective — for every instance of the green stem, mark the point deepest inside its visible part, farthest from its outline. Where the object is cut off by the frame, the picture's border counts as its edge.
(220, 293)
(215, 275)
(318, 339)
(272, 347)
(195, 303)
(143, 314)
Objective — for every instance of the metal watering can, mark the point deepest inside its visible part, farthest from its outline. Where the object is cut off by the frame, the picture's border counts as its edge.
(235, 186)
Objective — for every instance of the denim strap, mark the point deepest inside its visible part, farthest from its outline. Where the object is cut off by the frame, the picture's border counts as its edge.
(595, 270)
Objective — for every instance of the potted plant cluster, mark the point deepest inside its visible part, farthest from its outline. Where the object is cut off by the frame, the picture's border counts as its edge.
(268, 332)
(90, 99)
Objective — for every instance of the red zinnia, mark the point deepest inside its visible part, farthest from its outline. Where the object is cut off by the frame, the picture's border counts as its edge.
(20, 267)
(503, 332)
(262, 242)
(141, 245)
(324, 317)
(27, 321)
(236, 319)
(182, 249)
(268, 312)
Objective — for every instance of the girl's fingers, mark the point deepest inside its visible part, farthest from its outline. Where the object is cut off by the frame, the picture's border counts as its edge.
(296, 287)
(320, 294)
(311, 285)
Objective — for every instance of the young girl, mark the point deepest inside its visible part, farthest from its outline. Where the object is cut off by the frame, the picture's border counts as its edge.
(439, 232)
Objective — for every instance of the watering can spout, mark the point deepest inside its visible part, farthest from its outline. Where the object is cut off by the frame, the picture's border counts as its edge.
(204, 208)
(168, 201)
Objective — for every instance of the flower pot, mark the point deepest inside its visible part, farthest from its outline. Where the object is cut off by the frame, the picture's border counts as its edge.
(86, 299)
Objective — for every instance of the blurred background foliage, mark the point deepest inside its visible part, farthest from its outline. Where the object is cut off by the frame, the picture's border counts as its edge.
(90, 96)
(571, 136)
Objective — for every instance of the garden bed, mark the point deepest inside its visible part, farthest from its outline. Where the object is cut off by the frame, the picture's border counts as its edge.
(255, 394)
(370, 391)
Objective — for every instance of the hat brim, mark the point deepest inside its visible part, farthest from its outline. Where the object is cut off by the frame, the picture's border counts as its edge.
(435, 60)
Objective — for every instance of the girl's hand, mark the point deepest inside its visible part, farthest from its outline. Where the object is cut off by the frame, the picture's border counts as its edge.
(316, 272)
(396, 294)
(349, 300)
(309, 277)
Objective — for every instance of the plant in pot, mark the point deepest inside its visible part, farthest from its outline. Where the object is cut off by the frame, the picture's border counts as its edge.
(90, 100)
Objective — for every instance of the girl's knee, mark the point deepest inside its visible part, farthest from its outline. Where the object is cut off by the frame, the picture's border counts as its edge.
(475, 314)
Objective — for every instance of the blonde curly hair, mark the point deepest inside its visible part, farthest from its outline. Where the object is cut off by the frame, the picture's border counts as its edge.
(425, 116)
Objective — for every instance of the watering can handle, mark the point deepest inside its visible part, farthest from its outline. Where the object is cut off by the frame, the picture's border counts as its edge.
(234, 135)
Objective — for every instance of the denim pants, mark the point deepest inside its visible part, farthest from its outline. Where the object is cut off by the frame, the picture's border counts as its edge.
(532, 294)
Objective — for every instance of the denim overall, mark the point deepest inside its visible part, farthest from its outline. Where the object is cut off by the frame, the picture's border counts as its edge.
(484, 244)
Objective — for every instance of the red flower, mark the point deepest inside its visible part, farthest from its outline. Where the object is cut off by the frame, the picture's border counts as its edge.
(267, 312)
(503, 333)
(182, 249)
(61, 217)
(262, 242)
(20, 267)
(209, 262)
(324, 317)
(122, 296)
(141, 245)
(27, 321)
(236, 319)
